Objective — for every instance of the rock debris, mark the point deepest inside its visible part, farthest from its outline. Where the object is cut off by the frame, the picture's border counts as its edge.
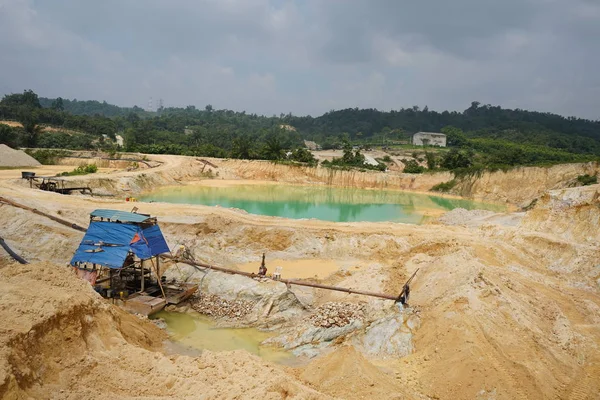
(336, 314)
(218, 307)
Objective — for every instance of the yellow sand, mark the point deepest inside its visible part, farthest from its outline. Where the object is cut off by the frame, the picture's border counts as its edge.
(295, 269)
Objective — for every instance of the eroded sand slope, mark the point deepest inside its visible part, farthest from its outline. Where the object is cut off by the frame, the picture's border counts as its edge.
(59, 340)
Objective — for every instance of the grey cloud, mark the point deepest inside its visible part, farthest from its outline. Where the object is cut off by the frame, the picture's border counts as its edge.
(448, 26)
(307, 56)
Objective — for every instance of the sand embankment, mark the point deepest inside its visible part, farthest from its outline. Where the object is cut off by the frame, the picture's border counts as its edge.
(506, 309)
(573, 214)
(522, 185)
(517, 186)
(264, 170)
(60, 340)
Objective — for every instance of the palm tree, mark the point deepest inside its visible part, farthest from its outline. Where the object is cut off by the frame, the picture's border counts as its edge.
(29, 120)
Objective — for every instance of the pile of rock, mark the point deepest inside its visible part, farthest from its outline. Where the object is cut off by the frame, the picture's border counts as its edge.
(336, 314)
(216, 307)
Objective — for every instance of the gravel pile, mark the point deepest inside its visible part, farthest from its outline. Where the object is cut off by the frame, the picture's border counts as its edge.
(217, 307)
(15, 158)
(336, 314)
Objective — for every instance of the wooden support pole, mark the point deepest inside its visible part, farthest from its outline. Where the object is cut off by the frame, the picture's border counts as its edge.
(159, 282)
(143, 277)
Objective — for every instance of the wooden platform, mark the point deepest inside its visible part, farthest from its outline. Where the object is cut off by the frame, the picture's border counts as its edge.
(144, 305)
(148, 304)
(180, 292)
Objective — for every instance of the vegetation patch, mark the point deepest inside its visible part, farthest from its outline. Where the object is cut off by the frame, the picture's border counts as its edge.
(304, 156)
(83, 169)
(444, 186)
(413, 167)
(47, 156)
(352, 159)
(586, 180)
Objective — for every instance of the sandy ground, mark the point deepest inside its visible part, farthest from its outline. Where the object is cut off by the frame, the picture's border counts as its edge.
(45, 170)
(297, 269)
(60, 340)
(13, 124)
(509, 304)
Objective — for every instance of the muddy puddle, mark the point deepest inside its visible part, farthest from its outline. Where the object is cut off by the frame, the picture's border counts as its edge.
(191, 333)
(298, 269)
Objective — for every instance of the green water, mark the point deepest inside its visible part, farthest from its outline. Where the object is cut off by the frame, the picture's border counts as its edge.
(320, 202)
(199, 332)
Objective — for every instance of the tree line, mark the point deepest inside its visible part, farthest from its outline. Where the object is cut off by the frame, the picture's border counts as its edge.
(483, 134)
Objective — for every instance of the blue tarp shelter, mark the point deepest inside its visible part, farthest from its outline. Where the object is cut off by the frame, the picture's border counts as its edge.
(108, 242)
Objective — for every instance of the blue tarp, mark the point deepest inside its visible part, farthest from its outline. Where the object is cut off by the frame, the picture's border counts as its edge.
(123, 216)
(108, 243)
(156, 240)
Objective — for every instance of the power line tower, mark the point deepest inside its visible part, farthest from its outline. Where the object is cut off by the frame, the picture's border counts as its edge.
(150, 109)
(160, 104)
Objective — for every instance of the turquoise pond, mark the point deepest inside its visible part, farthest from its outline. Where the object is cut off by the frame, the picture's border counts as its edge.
(319, 202)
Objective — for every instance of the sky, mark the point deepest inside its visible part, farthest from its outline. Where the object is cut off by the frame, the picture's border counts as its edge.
(307, 56)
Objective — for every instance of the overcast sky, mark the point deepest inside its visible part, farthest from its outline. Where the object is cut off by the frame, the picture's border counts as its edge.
(307, 56)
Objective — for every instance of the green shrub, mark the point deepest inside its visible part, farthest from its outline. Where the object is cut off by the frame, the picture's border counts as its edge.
(386, 159)
(413, 167)
(83, 169)
(431, 160)
(47, 156)
(455, 159)
(587, 180)
(444, 186)
(304, 156)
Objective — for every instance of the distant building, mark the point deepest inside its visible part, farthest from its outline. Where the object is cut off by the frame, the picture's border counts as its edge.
(429, 139)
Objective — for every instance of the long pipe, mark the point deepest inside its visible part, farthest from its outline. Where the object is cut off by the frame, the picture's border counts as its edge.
(286, 281)
(36, 211)
(226, 270)
(12, 253)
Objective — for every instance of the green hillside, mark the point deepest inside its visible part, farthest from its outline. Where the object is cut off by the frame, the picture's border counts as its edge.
(486, 135)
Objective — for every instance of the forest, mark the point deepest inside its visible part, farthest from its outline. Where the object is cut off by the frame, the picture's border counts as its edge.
(481, 135)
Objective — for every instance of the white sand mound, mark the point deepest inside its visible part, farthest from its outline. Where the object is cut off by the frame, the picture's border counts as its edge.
(15, 158)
